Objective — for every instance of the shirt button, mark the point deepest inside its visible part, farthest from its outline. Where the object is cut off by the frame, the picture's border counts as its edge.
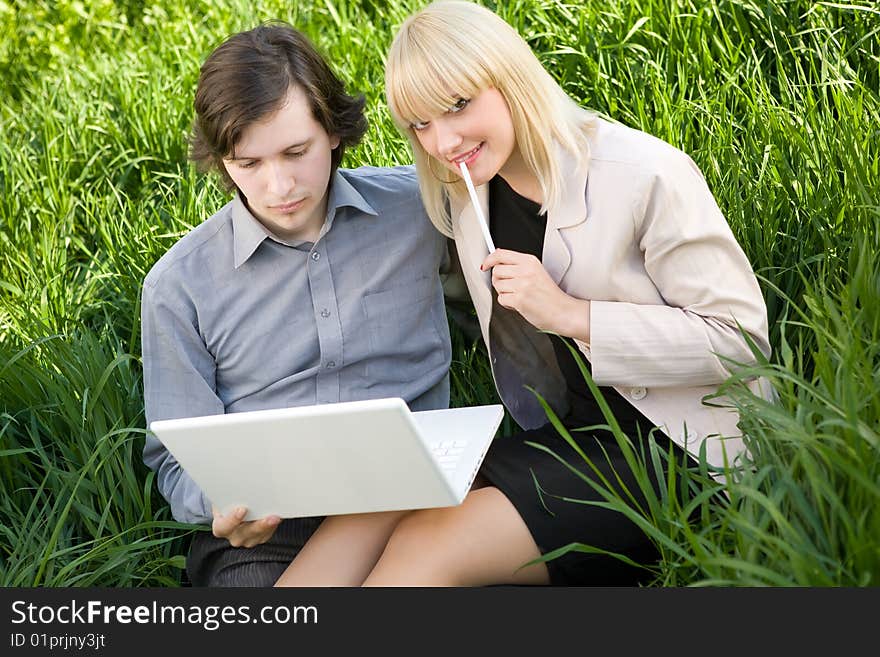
(325, 313)
(638, 393)
(316, 256)
(331, 364)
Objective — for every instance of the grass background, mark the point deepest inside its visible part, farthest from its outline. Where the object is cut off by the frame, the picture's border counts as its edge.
(778, 103)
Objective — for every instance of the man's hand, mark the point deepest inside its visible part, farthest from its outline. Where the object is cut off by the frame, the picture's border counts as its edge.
(524, 285)
(240, 533)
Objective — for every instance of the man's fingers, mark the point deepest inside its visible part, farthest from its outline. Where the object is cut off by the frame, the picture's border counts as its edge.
(258, 528)
(269, 523)
(255, 532)
(223, 526)
(241, 533)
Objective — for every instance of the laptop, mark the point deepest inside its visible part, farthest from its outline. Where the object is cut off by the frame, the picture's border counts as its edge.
(347, 457)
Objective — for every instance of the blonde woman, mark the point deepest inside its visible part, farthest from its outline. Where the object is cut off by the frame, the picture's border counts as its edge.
(605, 236)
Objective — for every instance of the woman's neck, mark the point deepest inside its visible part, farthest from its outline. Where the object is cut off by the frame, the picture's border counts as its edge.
(520, 178)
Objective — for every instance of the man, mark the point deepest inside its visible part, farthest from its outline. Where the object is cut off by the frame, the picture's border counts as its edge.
(313, 285)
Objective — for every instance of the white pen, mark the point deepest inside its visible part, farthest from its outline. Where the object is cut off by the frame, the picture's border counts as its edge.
(475, 202)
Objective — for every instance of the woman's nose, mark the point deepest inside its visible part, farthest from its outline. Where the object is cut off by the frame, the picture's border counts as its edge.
(448, 139)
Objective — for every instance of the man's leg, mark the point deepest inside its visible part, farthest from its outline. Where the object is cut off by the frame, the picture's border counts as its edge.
(214, 562)
(259, 574)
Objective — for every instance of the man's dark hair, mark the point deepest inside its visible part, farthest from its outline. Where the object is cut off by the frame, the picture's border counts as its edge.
(247, 78)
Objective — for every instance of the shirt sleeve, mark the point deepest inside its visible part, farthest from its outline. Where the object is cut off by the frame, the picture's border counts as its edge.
(454, 286)
(710, 290)
(457, 299)
(179, 376)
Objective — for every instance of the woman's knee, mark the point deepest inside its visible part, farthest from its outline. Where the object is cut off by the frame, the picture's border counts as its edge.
(421, 551)
(430, 533)
(481, 541)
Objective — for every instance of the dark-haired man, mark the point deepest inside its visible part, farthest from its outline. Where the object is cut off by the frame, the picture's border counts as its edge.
(313, 285)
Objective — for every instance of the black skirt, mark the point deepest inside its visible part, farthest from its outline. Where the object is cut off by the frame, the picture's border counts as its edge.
(535, 481)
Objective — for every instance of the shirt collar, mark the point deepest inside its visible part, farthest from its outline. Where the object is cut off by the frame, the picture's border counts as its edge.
(343, 193)
(249, 233)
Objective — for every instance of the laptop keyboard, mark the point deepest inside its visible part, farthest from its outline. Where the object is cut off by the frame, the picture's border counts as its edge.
(448, 452)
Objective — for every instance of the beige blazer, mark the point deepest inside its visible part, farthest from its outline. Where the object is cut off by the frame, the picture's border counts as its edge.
(638, 234)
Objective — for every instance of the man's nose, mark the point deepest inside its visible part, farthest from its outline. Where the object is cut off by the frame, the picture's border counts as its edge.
(281, 180)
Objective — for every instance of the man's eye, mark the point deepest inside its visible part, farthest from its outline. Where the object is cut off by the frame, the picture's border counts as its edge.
(418, 125)
(460, 104)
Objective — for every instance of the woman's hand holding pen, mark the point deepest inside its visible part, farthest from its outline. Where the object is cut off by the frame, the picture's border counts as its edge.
(524, 285)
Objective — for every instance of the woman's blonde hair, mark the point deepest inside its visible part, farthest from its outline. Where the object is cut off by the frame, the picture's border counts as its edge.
(453, 49)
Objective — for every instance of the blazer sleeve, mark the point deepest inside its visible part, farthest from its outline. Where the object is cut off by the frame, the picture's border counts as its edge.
(699, 269)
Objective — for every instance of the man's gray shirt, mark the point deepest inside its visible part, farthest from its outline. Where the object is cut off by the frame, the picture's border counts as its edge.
(235, 320)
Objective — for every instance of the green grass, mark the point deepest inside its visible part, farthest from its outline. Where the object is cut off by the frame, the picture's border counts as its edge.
(778, 103)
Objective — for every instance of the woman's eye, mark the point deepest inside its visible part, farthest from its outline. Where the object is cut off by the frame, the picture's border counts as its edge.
(460, 104)
(250, 164)
(418, 125)
(295, 154)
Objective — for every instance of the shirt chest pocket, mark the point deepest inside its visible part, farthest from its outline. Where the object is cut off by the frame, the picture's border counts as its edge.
(402, 320)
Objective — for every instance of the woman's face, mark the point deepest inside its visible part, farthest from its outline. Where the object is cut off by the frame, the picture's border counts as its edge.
(477, 131)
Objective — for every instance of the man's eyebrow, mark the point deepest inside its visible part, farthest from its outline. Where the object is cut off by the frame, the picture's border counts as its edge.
(292, 146)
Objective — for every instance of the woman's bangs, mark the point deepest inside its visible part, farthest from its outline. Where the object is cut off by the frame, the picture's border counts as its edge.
(424, 87)
(417, 95)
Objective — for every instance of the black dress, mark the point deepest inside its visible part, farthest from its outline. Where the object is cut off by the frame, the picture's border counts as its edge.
(535, 481)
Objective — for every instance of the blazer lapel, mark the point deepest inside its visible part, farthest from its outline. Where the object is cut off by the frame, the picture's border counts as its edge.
(570, 211)
(471, 246)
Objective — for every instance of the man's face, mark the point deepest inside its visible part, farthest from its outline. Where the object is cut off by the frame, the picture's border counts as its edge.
(282, 168)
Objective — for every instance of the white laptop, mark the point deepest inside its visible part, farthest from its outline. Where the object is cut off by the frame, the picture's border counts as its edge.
(349, 457)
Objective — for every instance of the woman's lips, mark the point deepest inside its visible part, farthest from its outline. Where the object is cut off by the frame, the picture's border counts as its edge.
(469, 157)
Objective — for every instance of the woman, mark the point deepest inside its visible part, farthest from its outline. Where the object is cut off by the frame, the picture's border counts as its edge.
(604, 235)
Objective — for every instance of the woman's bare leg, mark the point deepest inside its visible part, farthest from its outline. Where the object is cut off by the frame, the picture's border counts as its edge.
(342, 551)
(482, 541)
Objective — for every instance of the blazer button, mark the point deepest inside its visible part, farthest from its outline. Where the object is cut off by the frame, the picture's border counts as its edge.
(688, 437)
(638, 393)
